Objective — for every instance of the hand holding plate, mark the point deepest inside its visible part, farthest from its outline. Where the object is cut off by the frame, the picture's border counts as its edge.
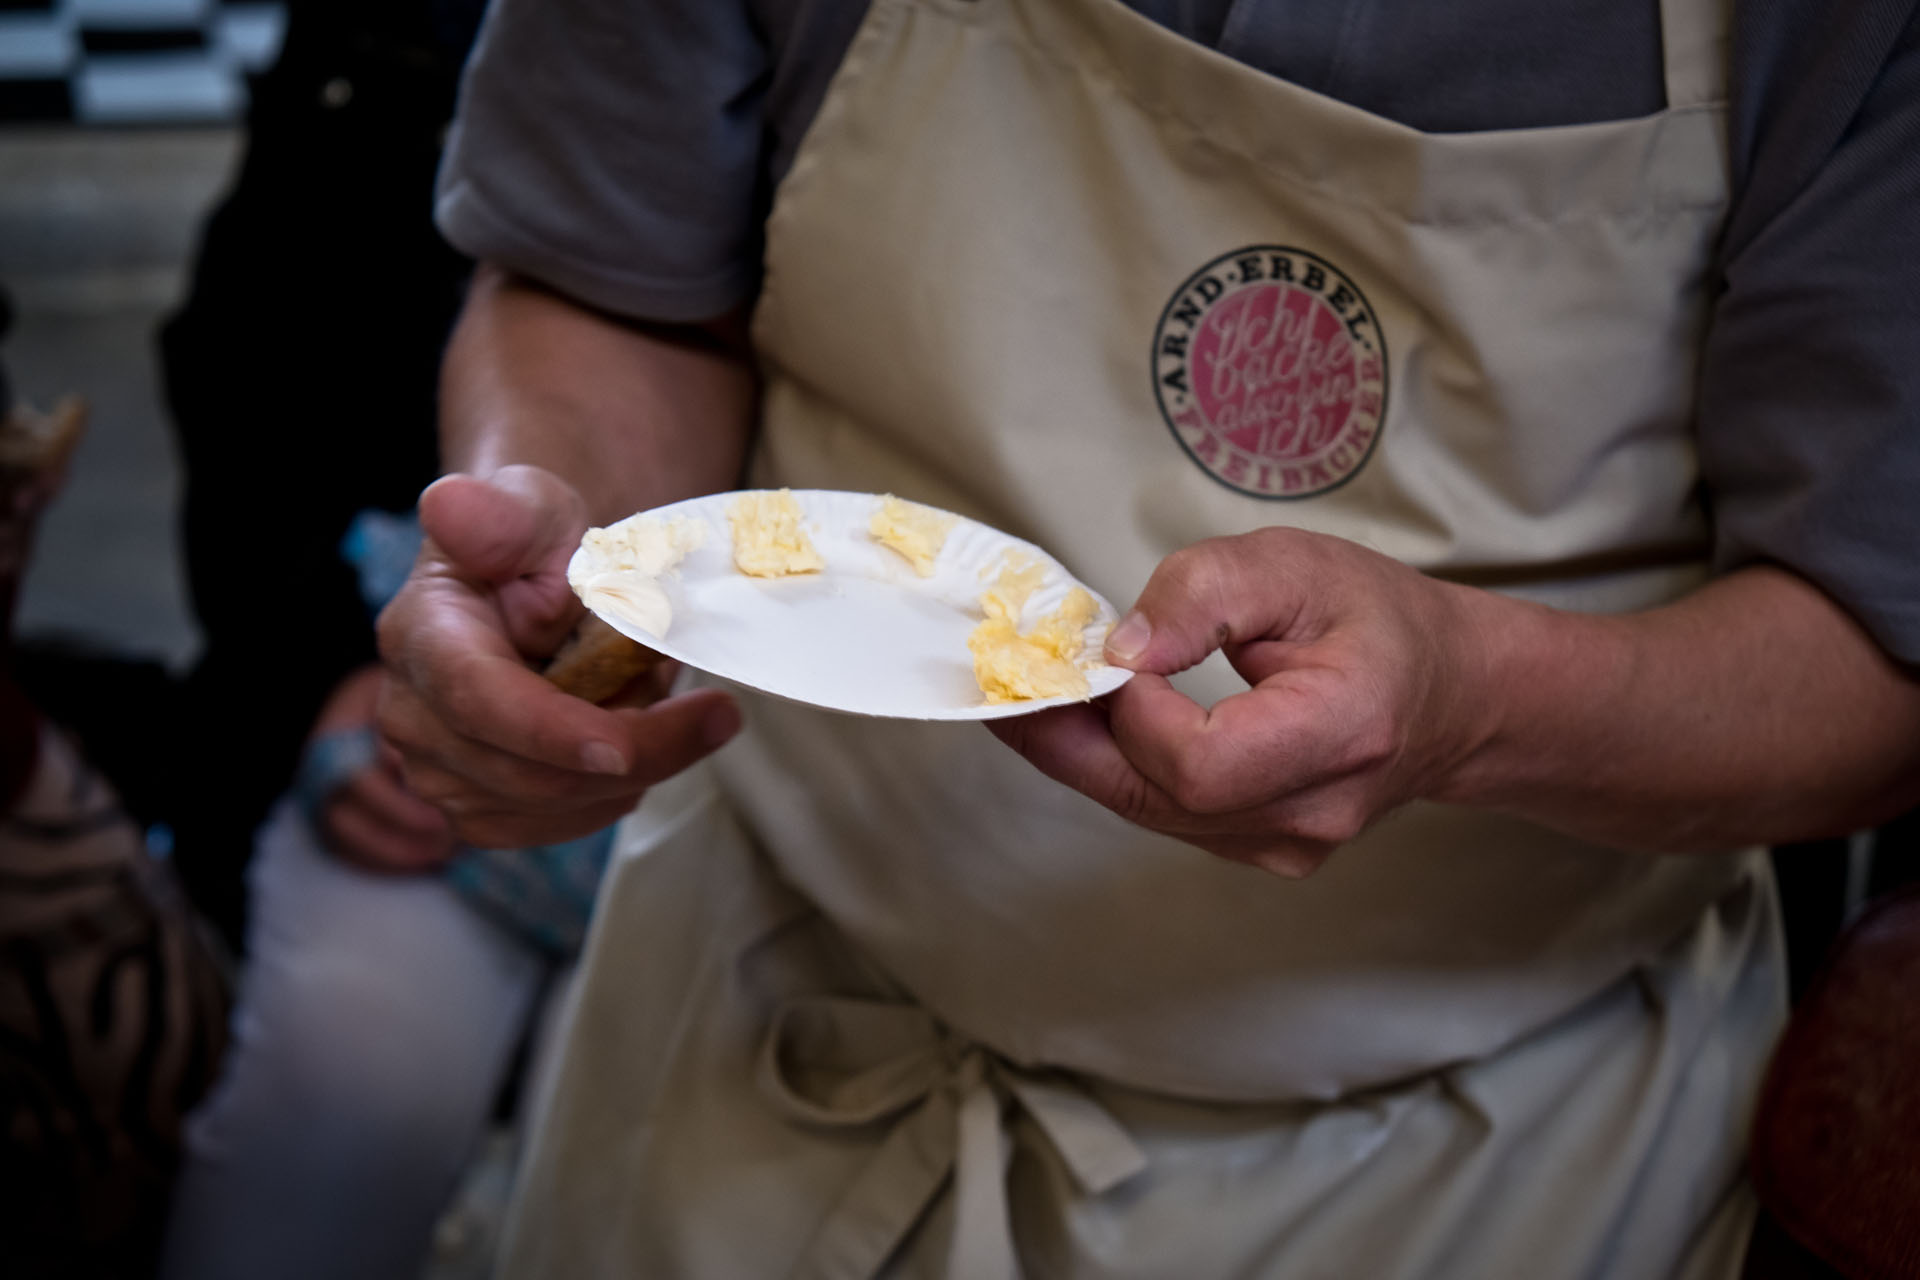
(1360, 673)
(511, 759)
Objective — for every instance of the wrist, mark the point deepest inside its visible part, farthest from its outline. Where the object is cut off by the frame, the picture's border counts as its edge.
(1522, 675)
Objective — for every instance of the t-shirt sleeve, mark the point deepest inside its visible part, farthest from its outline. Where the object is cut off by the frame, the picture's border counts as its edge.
(1810, 383)
(612, 149)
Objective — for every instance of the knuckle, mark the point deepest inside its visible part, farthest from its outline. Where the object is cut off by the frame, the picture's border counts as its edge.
(1204, 778)
(440, 789)
(462, 702)
(1134, 800)
(392, 628)
(1198, 788)
(1189, 562)
(1374, 743)
(1205, 568)
(397, 728)
(1289, 861)
(456, 802)
(1292, 541)
(1332, 823)
(1277, 544)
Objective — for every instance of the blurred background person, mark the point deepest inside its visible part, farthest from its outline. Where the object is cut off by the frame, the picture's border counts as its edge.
(112, 1004)
(300, 374)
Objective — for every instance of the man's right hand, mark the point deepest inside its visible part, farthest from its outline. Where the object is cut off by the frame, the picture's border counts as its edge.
(510, 759)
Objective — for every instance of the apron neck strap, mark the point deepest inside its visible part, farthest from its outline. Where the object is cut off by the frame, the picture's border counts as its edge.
(1693, 40)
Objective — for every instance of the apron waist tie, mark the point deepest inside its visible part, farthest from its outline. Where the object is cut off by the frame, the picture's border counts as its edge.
(840, 1063)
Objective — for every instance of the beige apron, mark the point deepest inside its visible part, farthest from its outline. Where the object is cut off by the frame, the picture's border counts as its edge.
(1046, 263)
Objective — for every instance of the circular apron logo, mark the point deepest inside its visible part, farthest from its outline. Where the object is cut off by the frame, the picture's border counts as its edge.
(1271, 371)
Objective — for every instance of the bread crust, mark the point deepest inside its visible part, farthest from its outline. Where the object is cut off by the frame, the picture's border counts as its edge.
(597, 662)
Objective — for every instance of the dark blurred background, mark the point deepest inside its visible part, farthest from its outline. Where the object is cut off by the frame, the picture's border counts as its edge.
(122, 128)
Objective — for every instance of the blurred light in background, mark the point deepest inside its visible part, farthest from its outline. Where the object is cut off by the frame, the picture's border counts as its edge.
(133, 62)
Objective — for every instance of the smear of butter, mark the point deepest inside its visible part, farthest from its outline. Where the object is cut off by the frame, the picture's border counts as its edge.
(769, 540)
(622, 573)
(916, 532)
(1019, 577)
(1011, 667)
(629, 594)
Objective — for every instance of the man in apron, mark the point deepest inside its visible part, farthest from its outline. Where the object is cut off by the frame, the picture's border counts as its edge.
(1428, 367)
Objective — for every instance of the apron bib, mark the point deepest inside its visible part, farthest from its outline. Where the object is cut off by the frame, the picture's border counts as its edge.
(1048, 264)
(897, 1005)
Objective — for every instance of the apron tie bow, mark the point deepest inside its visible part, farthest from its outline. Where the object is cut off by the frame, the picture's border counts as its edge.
(836, 1062)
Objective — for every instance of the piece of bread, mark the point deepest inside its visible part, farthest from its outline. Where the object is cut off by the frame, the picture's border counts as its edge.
(41, 442)
(597, 662)
(34, 449)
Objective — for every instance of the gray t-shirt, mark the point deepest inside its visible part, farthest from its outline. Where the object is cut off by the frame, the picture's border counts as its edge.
(625, 152)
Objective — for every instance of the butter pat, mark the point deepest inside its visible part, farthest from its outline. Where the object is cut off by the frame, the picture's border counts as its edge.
(768, 539)
(1011, 667)
(1064, 631)
(626, 562)
(644, 543)
(916, 532)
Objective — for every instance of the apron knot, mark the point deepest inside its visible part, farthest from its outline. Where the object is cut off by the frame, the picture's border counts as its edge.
(837, 1062)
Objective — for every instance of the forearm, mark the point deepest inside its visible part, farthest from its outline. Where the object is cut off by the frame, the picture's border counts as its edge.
(631, 416)
(1754, 710)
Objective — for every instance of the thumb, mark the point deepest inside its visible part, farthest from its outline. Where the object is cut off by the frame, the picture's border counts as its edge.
(1224, 592)
(509, 535)
(516, 522)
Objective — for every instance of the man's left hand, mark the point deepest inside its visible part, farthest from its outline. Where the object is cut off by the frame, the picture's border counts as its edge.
(1364, 676)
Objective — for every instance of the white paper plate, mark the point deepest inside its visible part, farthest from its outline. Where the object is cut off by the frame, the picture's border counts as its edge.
(867, 635)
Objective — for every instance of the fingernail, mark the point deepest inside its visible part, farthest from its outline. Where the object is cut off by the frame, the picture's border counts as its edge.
(599, 757)
(721, 724)
(1129, 640)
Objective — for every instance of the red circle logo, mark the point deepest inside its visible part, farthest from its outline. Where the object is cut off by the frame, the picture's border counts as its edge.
(1271, 371)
